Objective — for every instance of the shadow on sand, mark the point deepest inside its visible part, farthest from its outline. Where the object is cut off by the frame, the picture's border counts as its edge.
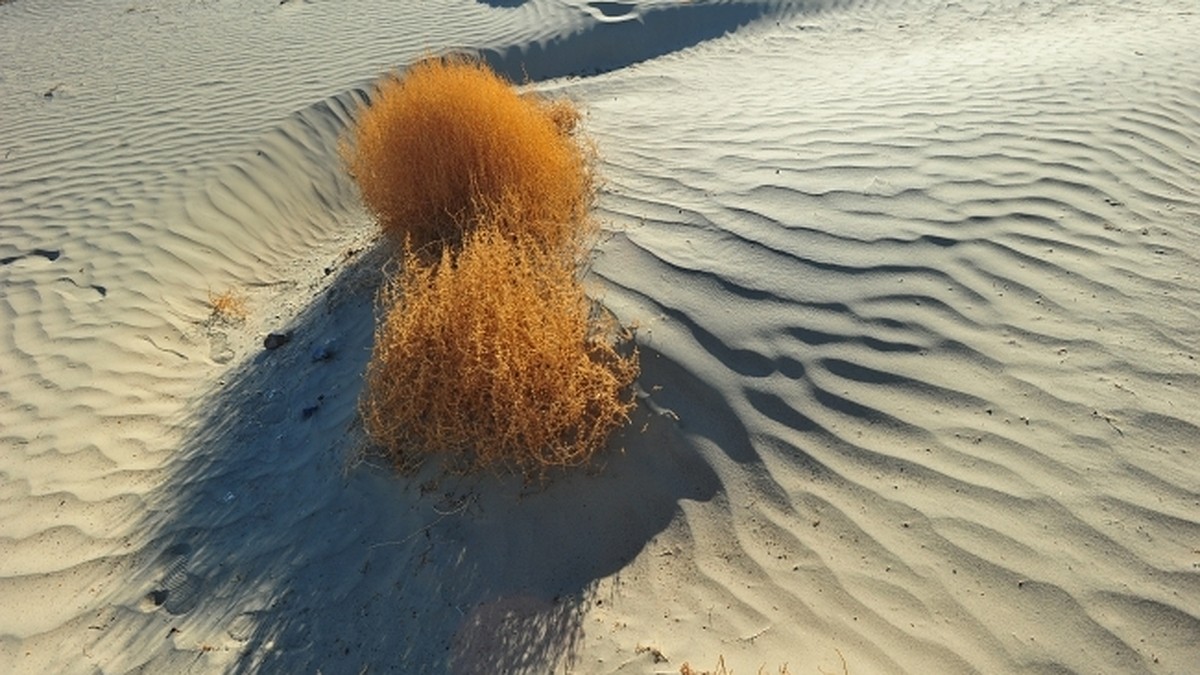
(622, 35)
(269, 537)
(272, 546)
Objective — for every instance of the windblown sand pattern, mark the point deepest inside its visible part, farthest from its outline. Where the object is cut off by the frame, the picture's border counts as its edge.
(917, 293)
(945, 298)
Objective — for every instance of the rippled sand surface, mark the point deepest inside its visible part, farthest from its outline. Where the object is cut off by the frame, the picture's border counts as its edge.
(916, 294)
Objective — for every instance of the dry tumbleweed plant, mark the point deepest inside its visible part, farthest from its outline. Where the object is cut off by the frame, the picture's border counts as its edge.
(490, 358)
(449, 145)
(487, 352)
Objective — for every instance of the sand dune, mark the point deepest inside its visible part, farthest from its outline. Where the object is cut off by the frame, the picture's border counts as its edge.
(916, 293)
(931, 291)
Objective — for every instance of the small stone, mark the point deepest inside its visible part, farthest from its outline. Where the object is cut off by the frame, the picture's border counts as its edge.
(157, 597)
(277, 340)
(324, 351)
(309, 411)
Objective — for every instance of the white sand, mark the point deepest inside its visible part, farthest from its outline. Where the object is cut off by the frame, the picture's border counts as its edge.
(917, 286)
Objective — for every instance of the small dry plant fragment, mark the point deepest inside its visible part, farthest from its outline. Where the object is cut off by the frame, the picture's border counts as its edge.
(448, 145)
(229, 306)
(687, 669)
(490, 358)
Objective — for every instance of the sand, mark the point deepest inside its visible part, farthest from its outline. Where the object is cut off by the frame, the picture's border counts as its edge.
(916, 293)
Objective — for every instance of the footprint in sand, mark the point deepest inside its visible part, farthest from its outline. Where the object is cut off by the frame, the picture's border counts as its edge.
(177, 590)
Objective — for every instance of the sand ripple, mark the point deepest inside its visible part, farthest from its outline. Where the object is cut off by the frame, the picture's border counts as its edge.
(916, 294)
(948, 292)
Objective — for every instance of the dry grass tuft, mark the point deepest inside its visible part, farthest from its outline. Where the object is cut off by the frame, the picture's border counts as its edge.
(448, 145)
(229, 306)
(490, 358)
(487, 353)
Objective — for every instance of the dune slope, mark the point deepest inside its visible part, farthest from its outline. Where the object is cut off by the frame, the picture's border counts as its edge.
(916, 288)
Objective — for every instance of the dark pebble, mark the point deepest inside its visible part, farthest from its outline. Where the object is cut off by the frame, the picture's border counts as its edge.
(277, 340)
